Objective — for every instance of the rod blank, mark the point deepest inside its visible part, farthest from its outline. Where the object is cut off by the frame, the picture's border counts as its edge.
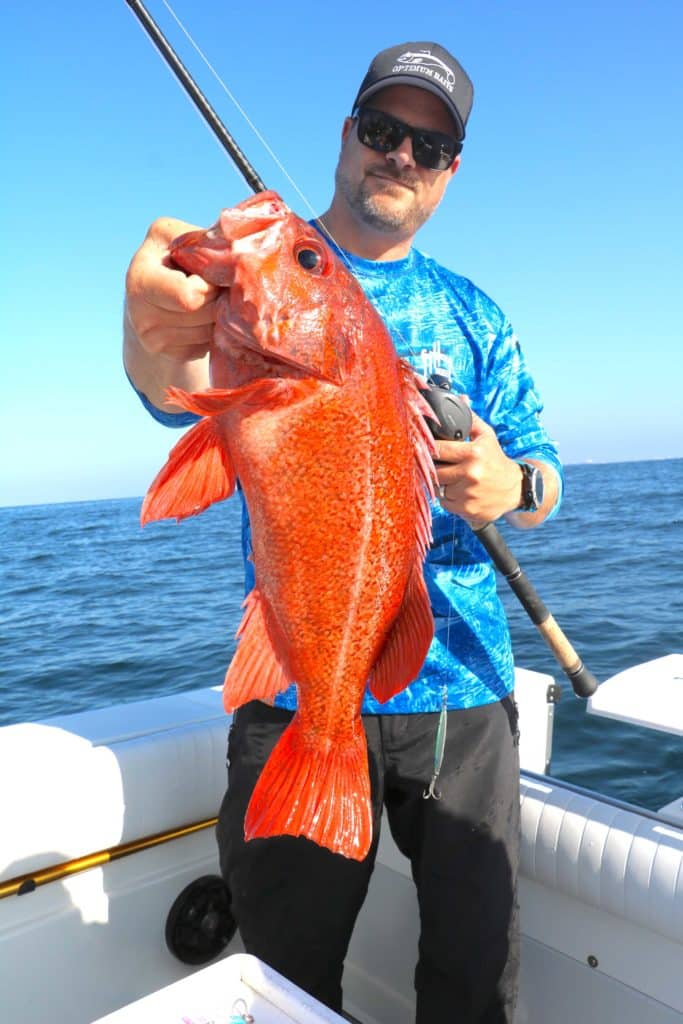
(582, 679)
(196, 95)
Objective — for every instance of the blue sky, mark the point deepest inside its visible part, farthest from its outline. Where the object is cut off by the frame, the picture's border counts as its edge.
(567, 209)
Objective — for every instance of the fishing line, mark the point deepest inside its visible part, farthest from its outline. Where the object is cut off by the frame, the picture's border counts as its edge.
(268, 148)
(243, 112)
(279, 164)
(271, 152)
(440, 742)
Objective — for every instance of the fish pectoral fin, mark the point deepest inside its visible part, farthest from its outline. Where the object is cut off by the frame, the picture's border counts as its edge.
(407, 642)
(322, 793)
(255, 672)
(198, 472)
(214, 401)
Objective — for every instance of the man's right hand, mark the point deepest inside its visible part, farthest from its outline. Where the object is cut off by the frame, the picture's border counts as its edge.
(169, 318)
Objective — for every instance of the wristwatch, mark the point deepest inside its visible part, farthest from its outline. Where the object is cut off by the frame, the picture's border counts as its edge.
(532, 488)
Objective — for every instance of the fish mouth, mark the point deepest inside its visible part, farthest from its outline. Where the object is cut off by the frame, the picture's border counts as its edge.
(243, 230)
(253, 217)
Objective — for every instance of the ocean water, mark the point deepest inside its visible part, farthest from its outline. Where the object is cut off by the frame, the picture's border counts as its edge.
(94, 610)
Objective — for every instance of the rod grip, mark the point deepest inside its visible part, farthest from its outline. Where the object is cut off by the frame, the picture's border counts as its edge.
(584, 683)
(582, 679)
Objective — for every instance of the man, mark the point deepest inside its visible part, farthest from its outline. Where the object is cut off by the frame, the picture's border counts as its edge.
(455, 814)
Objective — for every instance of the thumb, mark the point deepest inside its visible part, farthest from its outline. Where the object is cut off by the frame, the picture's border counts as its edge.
(480, 427)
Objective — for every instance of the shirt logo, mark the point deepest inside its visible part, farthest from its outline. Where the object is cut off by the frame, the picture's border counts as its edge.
(436, 361)
(425, 63)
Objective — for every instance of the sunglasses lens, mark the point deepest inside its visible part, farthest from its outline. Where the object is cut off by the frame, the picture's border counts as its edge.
(384, 133)
(434, 150)
(378, 131)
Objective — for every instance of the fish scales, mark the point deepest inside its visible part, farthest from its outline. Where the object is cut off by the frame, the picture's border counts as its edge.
(312, 411)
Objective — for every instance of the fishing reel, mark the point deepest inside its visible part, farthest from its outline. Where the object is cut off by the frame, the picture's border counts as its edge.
(452, 412)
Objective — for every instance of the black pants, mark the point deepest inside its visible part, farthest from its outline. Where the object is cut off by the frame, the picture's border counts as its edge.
(296, 903)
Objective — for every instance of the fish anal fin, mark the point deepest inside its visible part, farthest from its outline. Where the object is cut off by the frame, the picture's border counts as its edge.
(198, 472)
(322, 794)
(255, 672)
(407, 642)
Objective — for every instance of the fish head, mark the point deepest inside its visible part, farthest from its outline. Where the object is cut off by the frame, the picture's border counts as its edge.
(286, 311)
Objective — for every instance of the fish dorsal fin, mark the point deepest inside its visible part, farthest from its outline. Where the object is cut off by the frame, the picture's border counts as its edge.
(198, 472)
(424, 451)
(407, 642)
(255, 672)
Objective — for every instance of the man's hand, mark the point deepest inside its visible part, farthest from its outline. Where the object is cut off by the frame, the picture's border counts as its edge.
(481, 483)
(169, 318)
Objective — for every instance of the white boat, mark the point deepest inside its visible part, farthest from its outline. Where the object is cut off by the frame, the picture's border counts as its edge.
(107, 817)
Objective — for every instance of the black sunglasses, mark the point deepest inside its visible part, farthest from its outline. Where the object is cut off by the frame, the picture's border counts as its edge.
(384, 133)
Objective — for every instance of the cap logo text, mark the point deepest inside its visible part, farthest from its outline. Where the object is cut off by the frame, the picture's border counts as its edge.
(425, 63)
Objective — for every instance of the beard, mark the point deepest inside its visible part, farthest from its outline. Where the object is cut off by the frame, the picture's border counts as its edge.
(372, 208)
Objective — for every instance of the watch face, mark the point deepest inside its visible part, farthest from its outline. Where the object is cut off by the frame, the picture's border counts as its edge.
(537, 487)
(532, 488)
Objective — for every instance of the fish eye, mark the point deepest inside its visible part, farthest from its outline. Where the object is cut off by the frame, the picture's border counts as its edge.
(309, 259)
(312, 257)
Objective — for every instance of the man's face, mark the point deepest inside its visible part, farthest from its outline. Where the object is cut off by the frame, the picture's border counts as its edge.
(389, 191)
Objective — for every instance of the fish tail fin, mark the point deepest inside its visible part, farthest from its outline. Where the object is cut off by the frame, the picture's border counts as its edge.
(322, 794)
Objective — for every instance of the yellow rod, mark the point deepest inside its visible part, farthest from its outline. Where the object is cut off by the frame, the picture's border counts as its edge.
(31, 880)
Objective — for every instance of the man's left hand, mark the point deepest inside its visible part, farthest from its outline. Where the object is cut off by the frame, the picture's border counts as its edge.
(479, 482)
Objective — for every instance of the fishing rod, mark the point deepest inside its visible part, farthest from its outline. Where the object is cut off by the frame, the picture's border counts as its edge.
(453, 415)
(197, 96)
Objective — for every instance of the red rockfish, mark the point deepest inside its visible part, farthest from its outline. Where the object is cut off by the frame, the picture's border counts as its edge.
(312, 411)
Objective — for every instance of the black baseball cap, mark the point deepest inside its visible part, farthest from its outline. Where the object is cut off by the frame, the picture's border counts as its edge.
(426, 66)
